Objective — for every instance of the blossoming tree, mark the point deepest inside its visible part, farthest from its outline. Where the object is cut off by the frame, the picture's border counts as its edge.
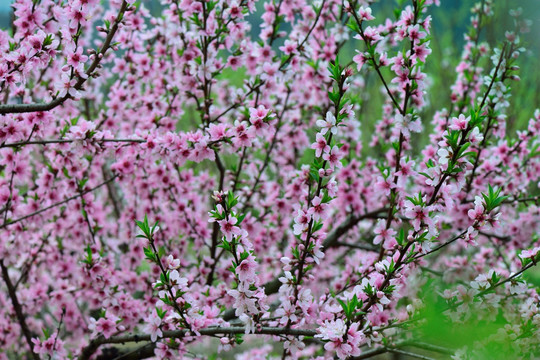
(187, 184)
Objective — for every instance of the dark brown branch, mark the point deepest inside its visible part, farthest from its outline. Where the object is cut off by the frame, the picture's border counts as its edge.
(459, 236)
(18, 309)
(371, 353)
(410, 354)
(25, 269)
(57, 203)
(430, 347)
(468, 186)
(510, 278)
(113, 192)
(408, 343)
(374, 63)
(366, 247)
(141, 352)
(89, 350)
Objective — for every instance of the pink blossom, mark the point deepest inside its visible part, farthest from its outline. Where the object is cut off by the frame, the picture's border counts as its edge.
(318, 208)
(286, 313)
(530, 254)
(460, 123)
(229, 229)
(360, 59)
(329, 124)
(333, 157)
(222, 133)
(320, 145)
(383, 235)
(153, 328)
(76, 59)
(364, 13)
(246, 269)
(105, 326)
(218, 132)
(417, 214)
(244, 300)
(301, 221)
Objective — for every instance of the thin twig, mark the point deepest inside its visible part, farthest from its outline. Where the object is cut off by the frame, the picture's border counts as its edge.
(64, 141)
(18, 309)
(58, 331)
(414, 355)
(57, 203)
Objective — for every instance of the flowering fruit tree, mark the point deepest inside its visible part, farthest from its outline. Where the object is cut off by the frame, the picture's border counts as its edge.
(184, 183)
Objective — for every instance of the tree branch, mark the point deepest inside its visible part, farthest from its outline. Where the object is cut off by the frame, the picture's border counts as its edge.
(25, 108)
(18, 309)
(211, 331)
(57, 203)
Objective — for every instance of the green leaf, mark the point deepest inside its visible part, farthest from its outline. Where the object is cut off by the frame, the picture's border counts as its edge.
(316, 226)
(494, 278)
(210, 5)
(493, 199)
(335, 70)
(462, 150)
(231, 200)
(160, 312)
(425, 175)
(149, 253)
(66, 173)
(225, 245)
(344, 306)
(333, 96)
(401, 238)
(353, 25)
(82, 183)
(241, 218)
(48, 40)
(453, 138)
(88, 258)
(368, 290)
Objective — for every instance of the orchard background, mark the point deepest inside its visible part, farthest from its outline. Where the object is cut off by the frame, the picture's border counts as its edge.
(269, 179)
